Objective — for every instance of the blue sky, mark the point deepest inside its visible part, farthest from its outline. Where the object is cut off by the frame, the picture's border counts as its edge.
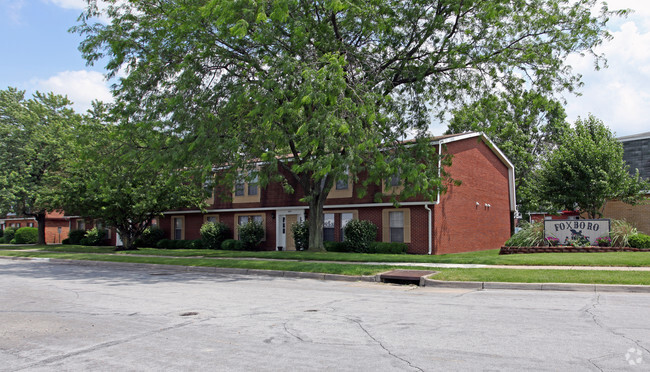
(40, 54)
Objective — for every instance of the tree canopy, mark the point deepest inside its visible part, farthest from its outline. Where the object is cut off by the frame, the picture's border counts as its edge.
(115, 177)
(587, 170)
(36, 137)
(335, 84)
(525, 125)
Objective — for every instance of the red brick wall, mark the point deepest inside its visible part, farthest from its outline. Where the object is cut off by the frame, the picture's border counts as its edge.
(461, 225)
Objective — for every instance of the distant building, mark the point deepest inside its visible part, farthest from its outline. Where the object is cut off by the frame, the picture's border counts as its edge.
(636, 153)
(57, 226)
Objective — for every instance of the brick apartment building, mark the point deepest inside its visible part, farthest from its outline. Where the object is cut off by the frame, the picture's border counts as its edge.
(636, 153)
(473, 216)
(57, 226)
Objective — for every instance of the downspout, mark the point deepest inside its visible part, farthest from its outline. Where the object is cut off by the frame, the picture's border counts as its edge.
(426, 206)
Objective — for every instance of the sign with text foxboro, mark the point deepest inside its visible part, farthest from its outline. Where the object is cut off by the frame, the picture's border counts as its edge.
(567, 230)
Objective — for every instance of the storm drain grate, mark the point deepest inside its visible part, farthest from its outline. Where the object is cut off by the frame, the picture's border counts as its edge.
(404, 276)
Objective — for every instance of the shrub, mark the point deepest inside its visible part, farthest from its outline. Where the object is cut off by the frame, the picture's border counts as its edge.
(1, 233)
(359, 234)
(552, 241)
(164, 244)
(93, 236)
(150, 237)
(530, 235)
(640, 241)
(75, 236)
(213, 234)
(9, 234)
(620, 232)
(26, 235)
(251, 234)
(66, 241)
(336, 246)
(232, 245)
(301, 235)
(388, 248)
(195, 244)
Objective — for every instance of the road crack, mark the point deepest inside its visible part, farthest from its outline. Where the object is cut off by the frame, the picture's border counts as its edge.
(591, 311)
(384, 347)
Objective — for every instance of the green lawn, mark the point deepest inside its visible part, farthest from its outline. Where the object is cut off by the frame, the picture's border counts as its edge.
(490, 257)
(492, 275)
(545, 276)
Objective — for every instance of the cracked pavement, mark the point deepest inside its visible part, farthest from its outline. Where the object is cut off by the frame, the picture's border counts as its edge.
(73, 318)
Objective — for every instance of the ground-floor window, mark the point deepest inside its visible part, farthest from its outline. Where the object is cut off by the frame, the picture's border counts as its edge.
(396, 225)
(81, 225)
(328, 227)
(336, 221)
(178, 228)
(243, 219)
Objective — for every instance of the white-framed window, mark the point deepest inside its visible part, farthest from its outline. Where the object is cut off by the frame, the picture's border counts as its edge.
(396, 222)
(345, 218)
(328, 227)
(247, 188)
(178, 228)
(81, 224)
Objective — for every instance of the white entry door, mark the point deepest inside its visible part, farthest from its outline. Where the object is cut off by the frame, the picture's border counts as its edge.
(285, 219)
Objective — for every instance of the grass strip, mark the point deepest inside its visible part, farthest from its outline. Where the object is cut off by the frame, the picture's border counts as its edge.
(545, 276)
(314, 267)
(489, 257)
(481, 275)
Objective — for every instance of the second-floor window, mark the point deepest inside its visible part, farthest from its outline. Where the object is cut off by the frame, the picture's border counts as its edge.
(247, 189)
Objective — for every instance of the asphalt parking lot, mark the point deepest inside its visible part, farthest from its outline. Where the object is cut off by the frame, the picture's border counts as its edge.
(74, 318)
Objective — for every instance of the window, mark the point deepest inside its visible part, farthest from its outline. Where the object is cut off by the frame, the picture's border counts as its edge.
(178, 228)
(342, 188)
(345, 218)
(328, 227)
(244, 218)
(208, 186)
(396, 225)
(396, 222)
(30, 224)
(393, 184)
(81, 225)
(334, 222)
(102, 227)
(213, 218)
(247, 191)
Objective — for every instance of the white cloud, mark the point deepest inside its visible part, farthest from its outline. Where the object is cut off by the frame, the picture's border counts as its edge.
(12, 10)
(619, 94)
(82, 87)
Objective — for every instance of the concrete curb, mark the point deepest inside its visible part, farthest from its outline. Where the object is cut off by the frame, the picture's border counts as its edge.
(424, 280)
(577, 287)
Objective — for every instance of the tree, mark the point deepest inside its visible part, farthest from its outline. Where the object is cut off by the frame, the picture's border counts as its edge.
(333, 85)
(588, 169)
(524, 124)
(114, 177)
(35, 140)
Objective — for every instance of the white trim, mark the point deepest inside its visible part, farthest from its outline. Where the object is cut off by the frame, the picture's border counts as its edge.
(337, 206)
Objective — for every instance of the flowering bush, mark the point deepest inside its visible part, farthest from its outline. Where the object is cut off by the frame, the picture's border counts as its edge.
(552, 241)
(604, 241)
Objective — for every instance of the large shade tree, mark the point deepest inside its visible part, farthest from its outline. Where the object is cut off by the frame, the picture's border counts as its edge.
(36, 137)
(333, 84)
(524, 124)
(115, 176)
(587, 170)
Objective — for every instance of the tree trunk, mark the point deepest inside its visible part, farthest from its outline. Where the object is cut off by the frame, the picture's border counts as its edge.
(40, 219)
(316, 224)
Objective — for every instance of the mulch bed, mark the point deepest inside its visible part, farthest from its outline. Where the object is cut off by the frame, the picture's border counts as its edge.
(565, 249)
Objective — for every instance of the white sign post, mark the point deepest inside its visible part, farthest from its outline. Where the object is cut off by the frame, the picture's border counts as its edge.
(568, 230)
